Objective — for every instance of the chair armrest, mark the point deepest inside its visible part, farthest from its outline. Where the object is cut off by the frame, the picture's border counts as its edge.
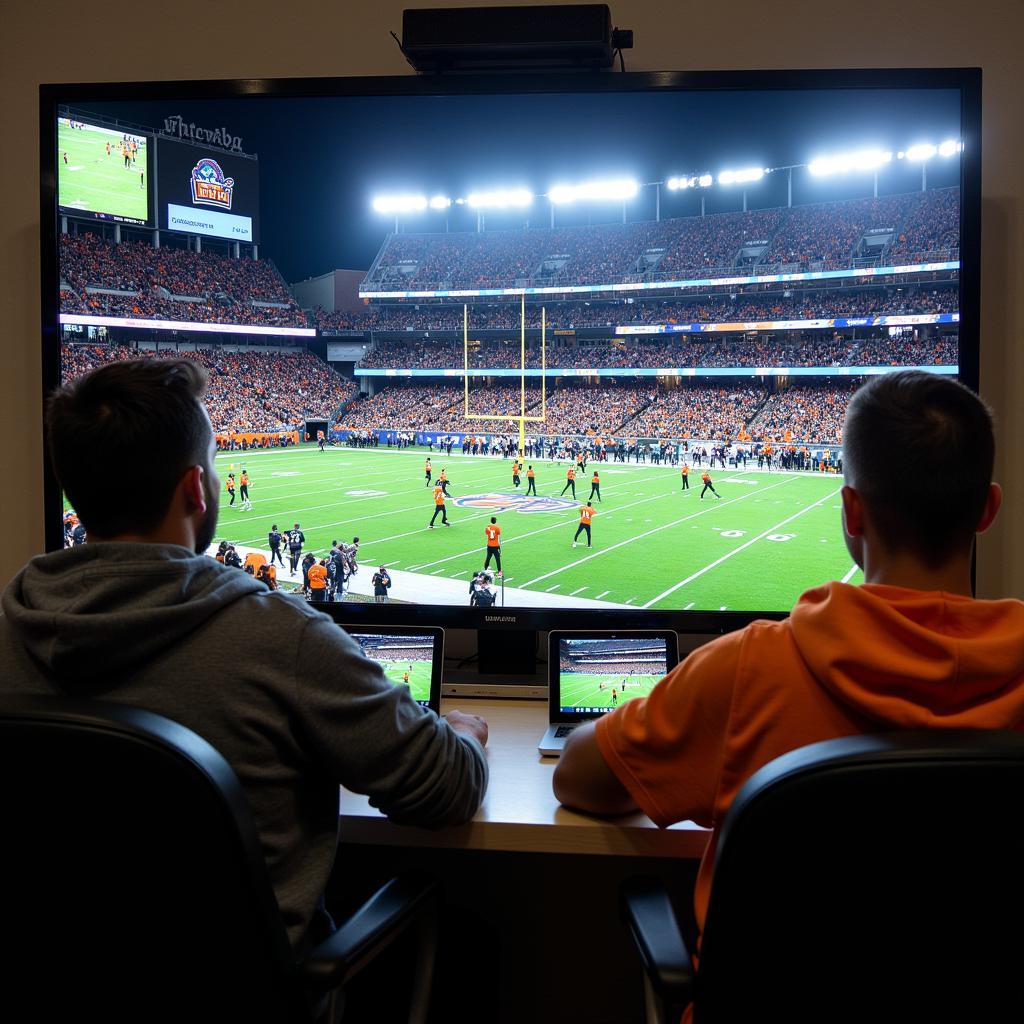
(652, 924)
(384, 917)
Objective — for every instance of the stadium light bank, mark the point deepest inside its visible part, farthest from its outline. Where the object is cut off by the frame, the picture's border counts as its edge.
(624, 189)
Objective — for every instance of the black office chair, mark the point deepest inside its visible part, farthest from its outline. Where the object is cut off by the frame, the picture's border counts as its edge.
(135, 888)
(874, 878)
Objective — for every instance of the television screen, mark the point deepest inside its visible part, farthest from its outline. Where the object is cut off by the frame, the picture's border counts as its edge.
(569, 348)
(102, 172)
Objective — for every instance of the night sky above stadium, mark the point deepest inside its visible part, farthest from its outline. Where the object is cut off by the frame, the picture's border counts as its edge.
(323, 160)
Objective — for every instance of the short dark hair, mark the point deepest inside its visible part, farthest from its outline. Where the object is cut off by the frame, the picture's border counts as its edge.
(493, 520)
(121, 437)
(905, 435)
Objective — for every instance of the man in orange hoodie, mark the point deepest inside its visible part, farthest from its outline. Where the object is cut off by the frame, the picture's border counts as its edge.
(909, 649)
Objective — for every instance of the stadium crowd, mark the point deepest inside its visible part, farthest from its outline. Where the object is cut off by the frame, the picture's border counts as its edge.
(594, 410)
(247, 391)
(933, 225)
(809, 305)
(698, 410)
(702, 351)
(809, 412)
(172, 284)
(823, 233)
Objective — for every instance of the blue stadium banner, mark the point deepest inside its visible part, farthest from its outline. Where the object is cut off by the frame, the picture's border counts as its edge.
(882, 320)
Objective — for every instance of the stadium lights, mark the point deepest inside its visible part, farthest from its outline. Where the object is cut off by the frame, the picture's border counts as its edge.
(950, 147)
(703, 180)
(500, 198)
(618, 190)
(741, 177)
(862, 160)
(399, 204)
(924, 151)
(440, 203)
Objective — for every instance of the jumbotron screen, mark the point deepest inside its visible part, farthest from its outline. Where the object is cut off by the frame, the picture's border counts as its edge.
(566, 351)
(103, 172)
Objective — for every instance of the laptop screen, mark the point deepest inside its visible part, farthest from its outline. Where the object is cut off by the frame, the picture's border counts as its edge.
(597, 674)
(407, 658)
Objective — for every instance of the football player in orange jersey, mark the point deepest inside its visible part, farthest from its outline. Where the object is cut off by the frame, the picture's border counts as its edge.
(708, 485)
(493, 534)
(438, 508)
(587, 513)
(570, 481)
(531, 480)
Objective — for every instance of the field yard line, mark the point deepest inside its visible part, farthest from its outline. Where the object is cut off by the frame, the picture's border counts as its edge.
(562, 524)
(736, 551)
(849, 575)
(580, 591)
(555, 587)
(602, 594)
(657, 529)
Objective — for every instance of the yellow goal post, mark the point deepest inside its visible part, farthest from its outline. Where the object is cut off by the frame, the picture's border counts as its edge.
(522, 418)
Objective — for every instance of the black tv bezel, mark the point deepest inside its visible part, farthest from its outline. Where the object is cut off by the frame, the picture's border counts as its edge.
(967, 81)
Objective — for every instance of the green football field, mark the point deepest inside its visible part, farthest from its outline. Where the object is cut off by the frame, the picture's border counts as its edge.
(419, 677)
(768, 538)
(92, 181)
(587, 690)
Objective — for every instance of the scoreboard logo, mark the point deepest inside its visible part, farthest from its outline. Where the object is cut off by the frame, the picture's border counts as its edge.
(209, 186)
(514, 503)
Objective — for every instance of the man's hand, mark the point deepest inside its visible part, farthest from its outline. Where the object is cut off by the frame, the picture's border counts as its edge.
(471, 725)
(583, 780)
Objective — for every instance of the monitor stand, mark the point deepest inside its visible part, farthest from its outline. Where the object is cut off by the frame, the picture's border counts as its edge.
(506, 652)
(506, 666)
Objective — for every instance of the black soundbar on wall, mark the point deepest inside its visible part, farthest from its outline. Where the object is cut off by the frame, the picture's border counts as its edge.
(465, 38)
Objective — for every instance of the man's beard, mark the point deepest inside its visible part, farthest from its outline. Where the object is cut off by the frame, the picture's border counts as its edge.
(208, 527)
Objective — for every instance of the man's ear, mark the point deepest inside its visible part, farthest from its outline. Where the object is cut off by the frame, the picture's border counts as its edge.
(853, 512)
(193, 490)
(993, 500)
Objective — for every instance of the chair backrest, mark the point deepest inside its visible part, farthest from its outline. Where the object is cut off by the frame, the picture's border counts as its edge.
(871, 878)
(133, 877)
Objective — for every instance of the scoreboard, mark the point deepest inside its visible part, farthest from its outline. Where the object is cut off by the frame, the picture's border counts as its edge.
(206, 191)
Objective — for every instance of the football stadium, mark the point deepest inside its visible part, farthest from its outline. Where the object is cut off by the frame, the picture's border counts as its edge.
(406, 661)
(595, 674)
(679, 352)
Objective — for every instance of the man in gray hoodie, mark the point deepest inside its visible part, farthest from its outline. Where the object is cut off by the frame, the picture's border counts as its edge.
(140, 615)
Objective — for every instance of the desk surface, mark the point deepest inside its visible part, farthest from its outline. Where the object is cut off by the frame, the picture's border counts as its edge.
(520, 813)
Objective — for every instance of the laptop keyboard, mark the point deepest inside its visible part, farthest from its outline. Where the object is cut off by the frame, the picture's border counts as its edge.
(563, 730)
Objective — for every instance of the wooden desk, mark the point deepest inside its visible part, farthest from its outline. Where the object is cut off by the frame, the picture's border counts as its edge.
(520, 813)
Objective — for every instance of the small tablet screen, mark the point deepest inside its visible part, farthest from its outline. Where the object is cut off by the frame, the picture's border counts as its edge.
(407, 660)
(597, 674)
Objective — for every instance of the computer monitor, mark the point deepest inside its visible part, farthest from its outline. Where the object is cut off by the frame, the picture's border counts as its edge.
(667, 285)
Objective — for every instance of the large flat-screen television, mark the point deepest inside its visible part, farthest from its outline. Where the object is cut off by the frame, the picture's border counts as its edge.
(647, 282)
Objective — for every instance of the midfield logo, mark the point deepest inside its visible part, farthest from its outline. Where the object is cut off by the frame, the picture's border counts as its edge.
(514, 502)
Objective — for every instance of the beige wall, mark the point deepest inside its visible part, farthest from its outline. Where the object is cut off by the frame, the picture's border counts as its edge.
(61, 41)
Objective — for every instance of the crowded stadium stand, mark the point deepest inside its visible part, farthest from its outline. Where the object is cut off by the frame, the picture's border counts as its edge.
(806, 411)
(133, 279)
(247, 391)
(818, 236)
(571, 315)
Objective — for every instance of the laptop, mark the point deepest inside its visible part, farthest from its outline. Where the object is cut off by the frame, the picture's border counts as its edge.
(410, 656)
(592, 673)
